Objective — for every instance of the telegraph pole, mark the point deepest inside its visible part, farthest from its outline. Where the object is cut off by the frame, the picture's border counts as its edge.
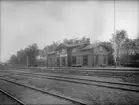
(0, 34)
(114, 39)
(27, 61)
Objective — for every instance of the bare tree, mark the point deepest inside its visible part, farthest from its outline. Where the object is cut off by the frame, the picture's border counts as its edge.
(117, 41)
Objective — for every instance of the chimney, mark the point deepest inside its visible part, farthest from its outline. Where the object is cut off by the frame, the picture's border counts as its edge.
(88, 40)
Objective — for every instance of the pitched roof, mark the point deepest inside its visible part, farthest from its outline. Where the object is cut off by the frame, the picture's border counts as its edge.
(72, 45)
(67, 45)
(53, 52)
(90, 46)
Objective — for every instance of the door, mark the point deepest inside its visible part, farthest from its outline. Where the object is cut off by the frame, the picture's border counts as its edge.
(50, 62)
(63, 61)
(58, 62)
(96, 60)
(100, 60)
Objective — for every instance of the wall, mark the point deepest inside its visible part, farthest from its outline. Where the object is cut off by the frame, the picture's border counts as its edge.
(51, 60)
(97, 52)
(98, 55)
(95, 56)
(79, 57)
(90, 60)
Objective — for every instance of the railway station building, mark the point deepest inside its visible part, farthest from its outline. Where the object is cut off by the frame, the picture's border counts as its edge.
(67, 55)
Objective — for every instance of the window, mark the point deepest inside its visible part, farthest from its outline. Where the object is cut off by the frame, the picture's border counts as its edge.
(104, 58)
(74, 50)
(85, 60)
(73, 59)
(63, 61)
(100, 48)
(63, 51)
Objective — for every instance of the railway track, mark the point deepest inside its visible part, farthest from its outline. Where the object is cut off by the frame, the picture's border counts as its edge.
(86, 80)
(105, 72)
(12, 97)
(112, 85)
(93, 72)
(74, 101)
(108, 72)
(89, 82)
(81, 68)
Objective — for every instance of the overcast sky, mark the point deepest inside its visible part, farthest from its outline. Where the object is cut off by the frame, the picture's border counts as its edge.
(41, 22)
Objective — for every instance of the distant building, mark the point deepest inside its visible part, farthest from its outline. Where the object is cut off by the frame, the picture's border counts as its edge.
(66, 55)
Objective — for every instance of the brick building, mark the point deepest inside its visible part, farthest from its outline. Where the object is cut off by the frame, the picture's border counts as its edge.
(66, 55)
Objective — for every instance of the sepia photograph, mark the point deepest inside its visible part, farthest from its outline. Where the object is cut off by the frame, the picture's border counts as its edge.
(69, 52)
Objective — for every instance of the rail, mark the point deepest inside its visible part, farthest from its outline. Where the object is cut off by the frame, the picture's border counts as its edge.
(81, 102)
(12, 97)
(87, 82)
